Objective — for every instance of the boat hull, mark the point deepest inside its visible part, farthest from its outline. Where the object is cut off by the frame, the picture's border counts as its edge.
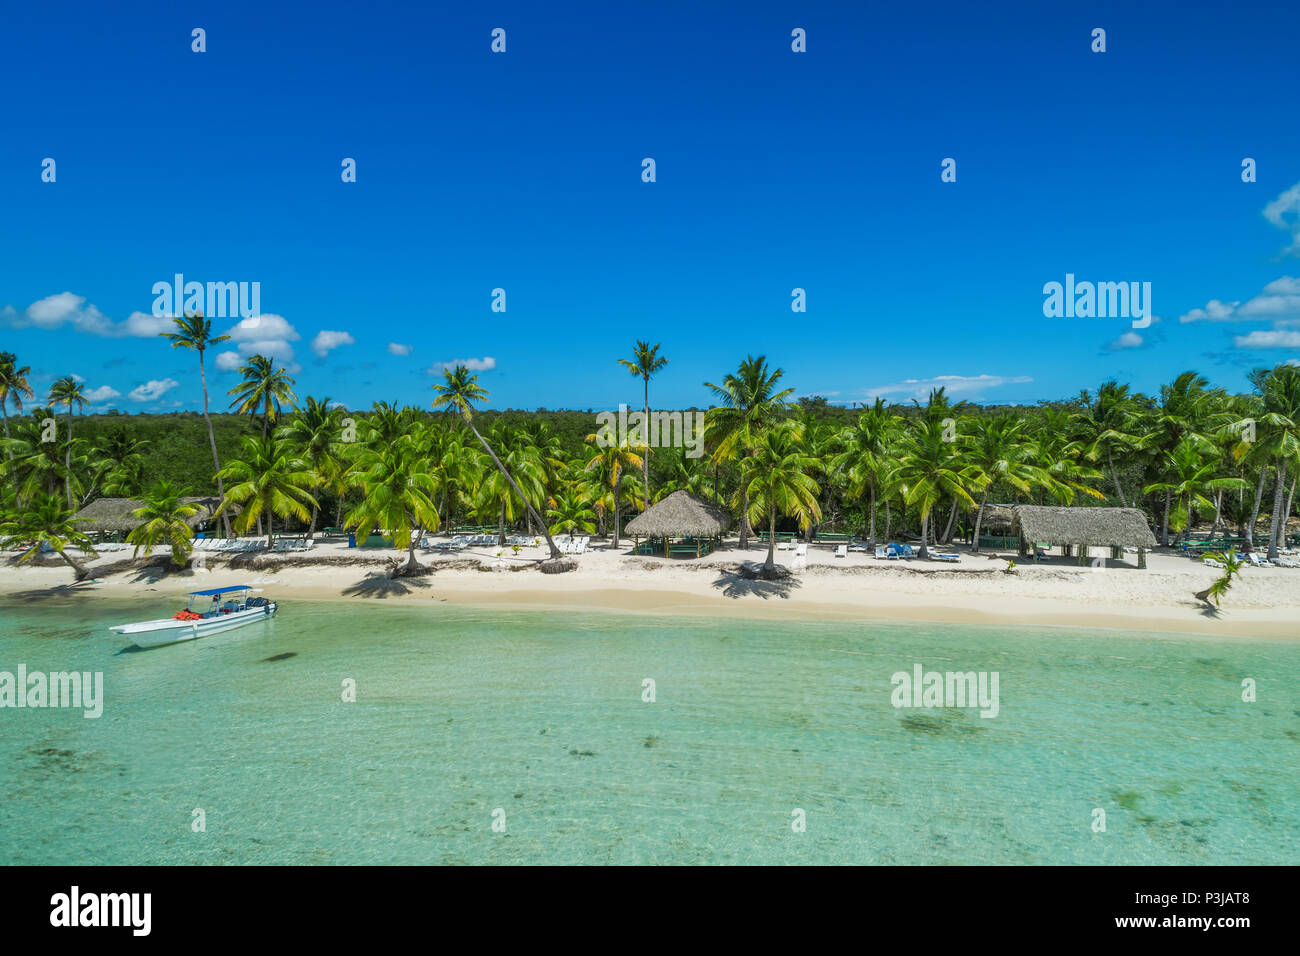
(171, 631)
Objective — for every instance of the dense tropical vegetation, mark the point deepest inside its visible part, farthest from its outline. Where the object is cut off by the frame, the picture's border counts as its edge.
(1192, 456)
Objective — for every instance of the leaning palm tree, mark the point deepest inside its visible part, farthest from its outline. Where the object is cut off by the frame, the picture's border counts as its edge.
(268, 480)
(193, 331)
(645, 362)
(1232, 563)
(13, 387)
(263, 391)
(47, 522)
(68, 391)
(748, 404)
(458, 392)
(164, 514)
(776, 481)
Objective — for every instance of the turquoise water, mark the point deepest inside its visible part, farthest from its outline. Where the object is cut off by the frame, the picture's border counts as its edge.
(462, 712)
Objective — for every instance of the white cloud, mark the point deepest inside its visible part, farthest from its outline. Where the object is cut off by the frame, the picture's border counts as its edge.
(1276, 212)
(1275, 339)
(485, 364)
(325, 341)
(68, 309)
(97, 396)
(395, 348)
(953, 384)
(1129, 340)
(267, 334)
(152, 390)
(228, 361)
(1278, 302)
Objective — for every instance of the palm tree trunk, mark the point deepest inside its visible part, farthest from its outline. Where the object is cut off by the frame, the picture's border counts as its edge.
(925, 534)
(618, 505)
(315, 513)
(555, 552)
(1254, 512)
(888, 519)
(645, 457)
(744, 519)
(1279, 519)
(270, 530)
(501, 525)
(1114, 476)
(18, 497)
(1218, 512)
(1286, 512)
(1164, 522)
(67, 459)
(979, 519)
(770, 563)
(952, 520)
(212, 441)
(78, 569)
(871, 531)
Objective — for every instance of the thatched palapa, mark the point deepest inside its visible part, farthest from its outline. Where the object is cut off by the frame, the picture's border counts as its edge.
(998, 518)
(1114, 528)
(680, 515)
(116, 515)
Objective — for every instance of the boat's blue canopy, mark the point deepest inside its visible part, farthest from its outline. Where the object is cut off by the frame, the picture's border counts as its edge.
(233, 587)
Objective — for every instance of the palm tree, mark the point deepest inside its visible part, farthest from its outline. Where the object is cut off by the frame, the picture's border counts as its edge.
(458, 392)
(193, 331)
(1191, 474)
(47, 522)
(571, 512)
(612, 462)
(997, 451)
(645, 362)
(929, 471)
(164, 515)
(68, 391)
(1108, 422)
(502, 499)
(120, 464)
(270, 481)
(263, 390)
(398, 487)
(865, 459)
(749, 403)
(1280, 441)
(313, 434)
(1232, 564)
(13, 387)
(776, 480)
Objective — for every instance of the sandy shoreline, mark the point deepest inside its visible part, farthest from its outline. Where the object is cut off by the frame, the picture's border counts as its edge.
(1265, 602)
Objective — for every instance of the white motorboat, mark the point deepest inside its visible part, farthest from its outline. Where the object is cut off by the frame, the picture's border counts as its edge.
(230, 607)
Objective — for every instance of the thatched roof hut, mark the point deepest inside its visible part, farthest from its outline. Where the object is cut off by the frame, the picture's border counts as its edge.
(1081, 528)
(680, 515)
(998, 518)
(116, 515)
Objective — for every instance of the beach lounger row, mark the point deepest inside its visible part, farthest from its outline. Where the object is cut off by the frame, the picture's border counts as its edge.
(229, 545)
(572, 545)
(894, 552)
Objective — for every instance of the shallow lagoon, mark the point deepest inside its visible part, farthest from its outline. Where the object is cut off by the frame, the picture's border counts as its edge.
(540, 715)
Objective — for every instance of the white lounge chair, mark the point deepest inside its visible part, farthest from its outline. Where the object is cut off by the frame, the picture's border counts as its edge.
(841, 551)
(801, 550)
(1256, 560)
(945, 556)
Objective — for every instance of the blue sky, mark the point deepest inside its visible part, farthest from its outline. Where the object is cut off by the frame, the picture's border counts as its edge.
(775, 170)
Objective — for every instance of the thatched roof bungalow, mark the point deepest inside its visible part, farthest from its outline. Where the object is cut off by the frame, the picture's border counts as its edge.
(1081, 528)
(116, 515)
(695, 524)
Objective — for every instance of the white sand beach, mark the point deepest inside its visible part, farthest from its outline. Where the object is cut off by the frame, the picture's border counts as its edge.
(1264, 602)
